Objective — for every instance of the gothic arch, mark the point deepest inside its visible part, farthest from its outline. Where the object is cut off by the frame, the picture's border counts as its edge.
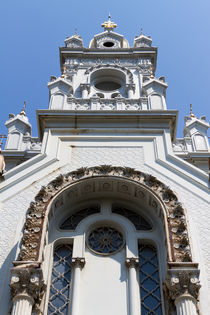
(163, 199)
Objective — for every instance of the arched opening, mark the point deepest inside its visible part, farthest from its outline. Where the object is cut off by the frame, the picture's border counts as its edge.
(124, 199)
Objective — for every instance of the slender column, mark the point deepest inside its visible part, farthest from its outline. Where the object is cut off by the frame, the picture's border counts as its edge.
(186, 304)
(22, 304)
(27, 286)
(85, 88)
(183, 287)
(132, 264)
(130, 90)
(77, 263)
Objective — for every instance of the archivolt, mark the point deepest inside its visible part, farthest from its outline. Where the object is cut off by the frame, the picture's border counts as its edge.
(34, 228)
(127, 72)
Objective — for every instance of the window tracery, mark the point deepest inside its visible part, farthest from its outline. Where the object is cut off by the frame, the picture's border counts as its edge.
(71, 222)
(149, 280)
(105, 240)
(60, 280)
(138, 221)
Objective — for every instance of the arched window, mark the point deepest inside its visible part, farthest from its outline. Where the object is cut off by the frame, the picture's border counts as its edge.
(104, 234)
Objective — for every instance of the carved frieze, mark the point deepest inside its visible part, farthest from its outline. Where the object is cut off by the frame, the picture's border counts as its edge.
(36, 215)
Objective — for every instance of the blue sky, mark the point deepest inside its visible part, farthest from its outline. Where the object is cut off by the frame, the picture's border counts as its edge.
(32, 30)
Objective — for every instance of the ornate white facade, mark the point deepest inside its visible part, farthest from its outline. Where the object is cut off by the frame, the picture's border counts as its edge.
(107, 211)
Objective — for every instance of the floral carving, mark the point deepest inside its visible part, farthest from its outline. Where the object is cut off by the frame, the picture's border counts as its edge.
(183, 281)
(30, 246)
(27, 281)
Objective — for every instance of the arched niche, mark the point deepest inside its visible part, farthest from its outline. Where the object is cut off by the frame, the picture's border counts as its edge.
(147, 191)
(57, 101)
(199, 142)
(13, 141)
(156, 101)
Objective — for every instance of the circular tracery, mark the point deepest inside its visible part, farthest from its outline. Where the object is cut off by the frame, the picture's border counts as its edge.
(105, 240)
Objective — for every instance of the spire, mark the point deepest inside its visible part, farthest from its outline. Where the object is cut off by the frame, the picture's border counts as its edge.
(23, 111)
(109, 25)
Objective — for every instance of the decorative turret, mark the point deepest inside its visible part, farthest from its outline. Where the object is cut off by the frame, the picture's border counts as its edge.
(194, 147)
(142, 40)
(20, 144)
(74, 41)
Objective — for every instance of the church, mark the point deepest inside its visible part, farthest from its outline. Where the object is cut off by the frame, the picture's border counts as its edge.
(106, 211)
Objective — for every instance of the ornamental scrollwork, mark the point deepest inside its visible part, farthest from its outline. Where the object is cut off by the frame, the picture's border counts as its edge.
(36, 215)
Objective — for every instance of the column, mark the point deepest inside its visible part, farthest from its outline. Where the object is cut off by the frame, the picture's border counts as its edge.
(22, 304)
(27, 286)
(77, 263)
(130, 88)
(132, 264)
(85, 88)
(183, 287)
(186, 304)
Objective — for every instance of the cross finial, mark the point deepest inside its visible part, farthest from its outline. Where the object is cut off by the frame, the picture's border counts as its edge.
(191, 113)
(23, 111)
(109, 25)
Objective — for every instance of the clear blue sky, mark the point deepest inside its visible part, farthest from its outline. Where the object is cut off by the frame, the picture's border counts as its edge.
(32, 30)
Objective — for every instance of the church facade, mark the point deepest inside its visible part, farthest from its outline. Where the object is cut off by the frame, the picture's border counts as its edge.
(106, 212)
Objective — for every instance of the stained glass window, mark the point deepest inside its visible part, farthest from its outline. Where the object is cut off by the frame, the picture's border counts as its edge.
(73, 220)
(139, 222)
(149, 281)
(61, 279)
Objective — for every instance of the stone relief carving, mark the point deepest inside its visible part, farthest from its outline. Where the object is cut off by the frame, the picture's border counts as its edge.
(183, 282)
(30, 246)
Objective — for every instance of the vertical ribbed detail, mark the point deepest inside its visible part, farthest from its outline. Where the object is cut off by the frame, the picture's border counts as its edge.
(185, 305)
(22, 305)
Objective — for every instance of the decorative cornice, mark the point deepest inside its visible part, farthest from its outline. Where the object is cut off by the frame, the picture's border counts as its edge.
(27, 281)
(78, 262)
(36, 215)
(132, 262)
(182, 281)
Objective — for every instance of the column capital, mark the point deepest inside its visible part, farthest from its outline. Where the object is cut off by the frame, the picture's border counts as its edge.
(27, 282)
(130, 86)
(78, 262)
(85, 86)
(132, 262)
(183, 280)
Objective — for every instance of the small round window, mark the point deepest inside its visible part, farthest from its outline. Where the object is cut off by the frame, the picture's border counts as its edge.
(105, 240)
(108, 44)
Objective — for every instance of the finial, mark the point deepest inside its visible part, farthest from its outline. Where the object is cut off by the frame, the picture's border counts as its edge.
(109, 25)
(75, 32)
(191, 113)
(63, 72)
(151, 73)
(141, 31)
(23, 111)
